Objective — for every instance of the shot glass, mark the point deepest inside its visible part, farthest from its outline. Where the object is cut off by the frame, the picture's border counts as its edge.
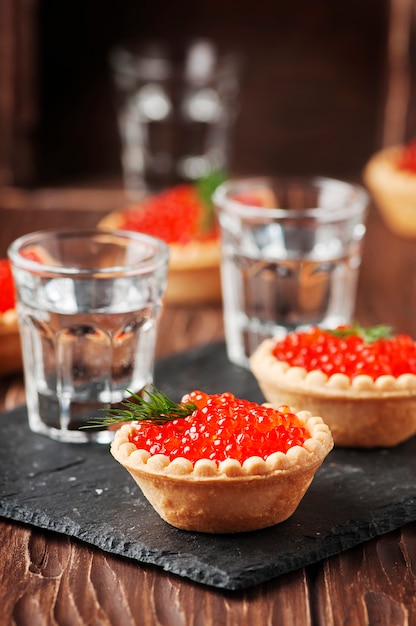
(291, 253)
(176, 111)
(88, 304)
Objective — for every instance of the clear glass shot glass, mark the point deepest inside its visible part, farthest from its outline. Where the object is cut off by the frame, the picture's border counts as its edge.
(88, 304)
(291, 253)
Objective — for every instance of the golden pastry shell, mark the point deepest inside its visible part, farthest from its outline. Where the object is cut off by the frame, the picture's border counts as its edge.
(194, 267)
(229, 497)
(393, 190)
(361, 412)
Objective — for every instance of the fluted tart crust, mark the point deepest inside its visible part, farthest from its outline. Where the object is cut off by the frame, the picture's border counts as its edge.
(227, 497)
(194, 267)
(360, 412)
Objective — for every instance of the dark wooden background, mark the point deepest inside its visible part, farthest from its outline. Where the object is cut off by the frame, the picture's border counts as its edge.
(316, 78)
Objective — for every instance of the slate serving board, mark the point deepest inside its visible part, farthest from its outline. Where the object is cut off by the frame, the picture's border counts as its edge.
(79, 490)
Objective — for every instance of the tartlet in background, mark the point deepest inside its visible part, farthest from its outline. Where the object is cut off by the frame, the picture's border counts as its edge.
(365, 390)
(10, 347)
(390, 176)
(183, 217)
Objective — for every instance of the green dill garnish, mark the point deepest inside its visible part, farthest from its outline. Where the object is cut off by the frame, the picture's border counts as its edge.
(205, 188)
(369, 335)
(155, 407)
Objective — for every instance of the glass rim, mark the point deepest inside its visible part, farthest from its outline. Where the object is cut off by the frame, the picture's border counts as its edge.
(159, 252)
(355, 205)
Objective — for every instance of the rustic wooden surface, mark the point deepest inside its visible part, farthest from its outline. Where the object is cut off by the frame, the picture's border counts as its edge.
(48, 579)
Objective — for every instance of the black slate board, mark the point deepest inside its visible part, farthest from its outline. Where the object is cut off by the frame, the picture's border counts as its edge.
(79, 490)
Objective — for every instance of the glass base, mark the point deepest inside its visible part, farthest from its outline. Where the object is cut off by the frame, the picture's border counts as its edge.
(102, 436)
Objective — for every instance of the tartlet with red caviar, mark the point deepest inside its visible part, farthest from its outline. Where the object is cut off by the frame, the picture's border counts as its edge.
(218, 464)
(10, 348)
(183, 216)
(390, 176)
(362, 381)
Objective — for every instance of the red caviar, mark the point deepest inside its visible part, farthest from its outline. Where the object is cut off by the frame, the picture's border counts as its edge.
(319, 349)
(175, 215)
(222, 427)
(6, 286)
(407, 157)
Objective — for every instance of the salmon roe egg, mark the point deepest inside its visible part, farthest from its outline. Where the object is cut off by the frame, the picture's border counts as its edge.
(222, 427)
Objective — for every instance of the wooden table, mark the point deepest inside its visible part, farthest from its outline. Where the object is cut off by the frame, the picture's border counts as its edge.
(48, 579)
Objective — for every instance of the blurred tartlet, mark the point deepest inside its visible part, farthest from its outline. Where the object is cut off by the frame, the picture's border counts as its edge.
(183, 216)
(10, 347)
(390, 176)
(181, 219)
(225, 465)
(361, 381)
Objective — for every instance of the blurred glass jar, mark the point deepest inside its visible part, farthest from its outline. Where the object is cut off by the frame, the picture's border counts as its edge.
(175, 113)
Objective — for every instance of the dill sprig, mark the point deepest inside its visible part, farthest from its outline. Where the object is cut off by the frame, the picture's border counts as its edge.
(155, 406)
(369, 335)
(205, 187)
